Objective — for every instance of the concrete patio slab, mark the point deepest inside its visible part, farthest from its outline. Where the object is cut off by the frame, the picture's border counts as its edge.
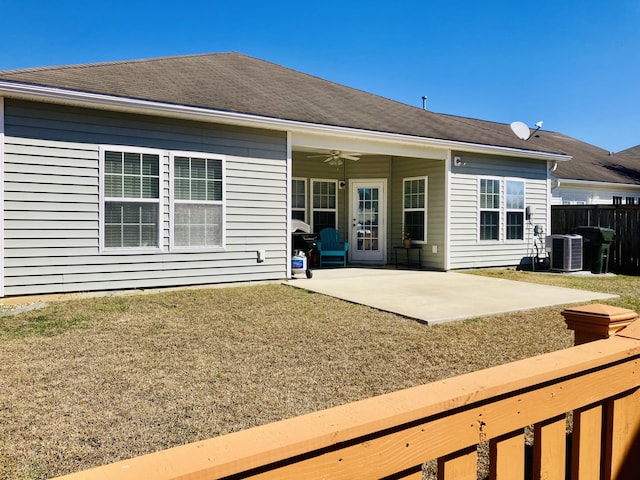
(435, 297)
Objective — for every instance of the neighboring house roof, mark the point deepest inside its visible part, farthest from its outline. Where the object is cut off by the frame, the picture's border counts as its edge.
(633, 153)
(233, 82)
(591, 163)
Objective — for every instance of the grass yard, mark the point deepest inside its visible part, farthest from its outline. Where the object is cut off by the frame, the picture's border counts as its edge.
(91, 381)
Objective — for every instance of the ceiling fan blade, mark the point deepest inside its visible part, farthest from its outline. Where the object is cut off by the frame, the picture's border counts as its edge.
(350, 157)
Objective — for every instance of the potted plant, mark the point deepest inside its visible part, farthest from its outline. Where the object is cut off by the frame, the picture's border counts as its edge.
(406, 239)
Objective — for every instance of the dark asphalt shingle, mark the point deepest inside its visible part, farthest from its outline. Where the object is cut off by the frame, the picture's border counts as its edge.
(237, 83)
(234, 82)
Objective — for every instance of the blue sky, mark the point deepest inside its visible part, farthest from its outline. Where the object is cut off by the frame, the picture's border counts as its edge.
(574, 64)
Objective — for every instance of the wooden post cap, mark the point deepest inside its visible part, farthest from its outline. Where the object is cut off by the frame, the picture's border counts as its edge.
(596, 321)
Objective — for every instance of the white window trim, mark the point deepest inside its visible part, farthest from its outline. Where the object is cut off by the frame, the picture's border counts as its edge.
(424, 210)
(306, 199)
(161, 160)
(518, 210)
(502, 211)
(312, 209)
(480, 209)
(173, 202)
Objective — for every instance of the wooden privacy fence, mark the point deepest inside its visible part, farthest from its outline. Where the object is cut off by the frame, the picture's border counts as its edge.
(390, 436)
(624, 219)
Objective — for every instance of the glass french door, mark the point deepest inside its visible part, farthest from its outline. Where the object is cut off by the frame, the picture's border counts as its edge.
(368, 220)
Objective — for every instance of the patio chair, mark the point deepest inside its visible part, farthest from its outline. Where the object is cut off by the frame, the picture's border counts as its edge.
(332, 250)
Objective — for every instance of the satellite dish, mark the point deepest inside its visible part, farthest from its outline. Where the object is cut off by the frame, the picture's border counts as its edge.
(521, 130)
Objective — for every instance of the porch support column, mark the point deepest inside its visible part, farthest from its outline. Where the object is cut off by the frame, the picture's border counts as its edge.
(596, 321)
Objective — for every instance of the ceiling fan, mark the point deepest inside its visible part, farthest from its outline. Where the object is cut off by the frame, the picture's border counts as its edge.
(337, 157)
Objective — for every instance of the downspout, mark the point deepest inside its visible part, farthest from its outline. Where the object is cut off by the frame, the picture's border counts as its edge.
(551, 167)
(288, 243)
(447, 212)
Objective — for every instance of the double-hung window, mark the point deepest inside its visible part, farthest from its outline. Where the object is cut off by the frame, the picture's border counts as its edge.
(299, 199)
(415, 208)
(131, 198)
(197, 195)
(501, 209)
(489, 209)
(324, 204)
(515, 209)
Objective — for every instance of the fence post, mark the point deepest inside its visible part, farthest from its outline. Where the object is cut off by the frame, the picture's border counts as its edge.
(596, 321)
(594, 453)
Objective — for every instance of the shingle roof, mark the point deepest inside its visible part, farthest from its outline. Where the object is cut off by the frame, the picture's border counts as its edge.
(234, 82)
(237, 83)
(592, 163)
(633, 152)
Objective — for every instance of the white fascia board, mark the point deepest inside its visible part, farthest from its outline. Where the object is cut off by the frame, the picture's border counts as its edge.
(593, 183)
(131, 105)
(366, 144)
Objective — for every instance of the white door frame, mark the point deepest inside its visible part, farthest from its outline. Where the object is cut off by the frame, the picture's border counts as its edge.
(378, 256)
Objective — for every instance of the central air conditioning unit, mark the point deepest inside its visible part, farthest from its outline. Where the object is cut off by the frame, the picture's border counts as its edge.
(565, 252)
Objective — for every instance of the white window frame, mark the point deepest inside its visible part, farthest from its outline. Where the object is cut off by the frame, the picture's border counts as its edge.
(306, 199)
(493, 209)
(502, 210)
(425, 179)
(522, 210)
(173, 202)
(313, 208)
(104, 199)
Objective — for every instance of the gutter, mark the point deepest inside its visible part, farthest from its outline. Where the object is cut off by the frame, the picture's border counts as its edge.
(130, 105)
(594, 183)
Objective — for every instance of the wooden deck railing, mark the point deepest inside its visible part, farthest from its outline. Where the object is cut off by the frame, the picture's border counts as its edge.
(392, 435)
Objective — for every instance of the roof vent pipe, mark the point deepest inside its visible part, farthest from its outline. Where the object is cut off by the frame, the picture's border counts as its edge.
(424, 102)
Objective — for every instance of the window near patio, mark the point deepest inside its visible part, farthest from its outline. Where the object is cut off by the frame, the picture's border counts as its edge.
(131, 199)
(489, 209)
(299, 199)
(415, 208)
(324, 204)
(197, 201)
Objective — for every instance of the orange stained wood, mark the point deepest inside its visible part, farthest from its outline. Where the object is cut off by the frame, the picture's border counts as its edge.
(506, 456)
(586, 444)
(549, 449)
(392, 433)
(622, 444)
(461, 465)
(597, 321)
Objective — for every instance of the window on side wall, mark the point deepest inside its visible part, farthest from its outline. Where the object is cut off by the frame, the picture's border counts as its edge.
(324, 204)
(489, 209)
(415, 208)
(131, 208)
(515, 209)
(197, 201)
(501, 209)
(299, 199)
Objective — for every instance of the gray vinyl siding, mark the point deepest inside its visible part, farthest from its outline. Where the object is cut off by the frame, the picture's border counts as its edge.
(394, 169)
(315, 169)
(52, 200)
(436, 207)
(466, 251)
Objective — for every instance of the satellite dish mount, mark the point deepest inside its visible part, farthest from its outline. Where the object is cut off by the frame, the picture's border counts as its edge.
(522, 130)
